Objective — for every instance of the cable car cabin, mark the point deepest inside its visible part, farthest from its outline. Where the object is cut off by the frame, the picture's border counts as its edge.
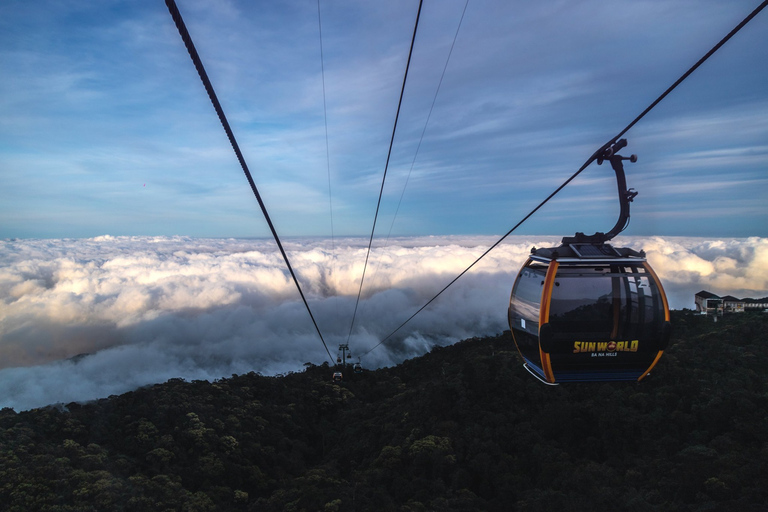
(588, 312)
(337, 377)
(358, 368)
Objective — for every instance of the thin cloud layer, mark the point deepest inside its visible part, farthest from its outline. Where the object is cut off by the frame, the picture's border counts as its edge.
(83, 319)
(106, 127)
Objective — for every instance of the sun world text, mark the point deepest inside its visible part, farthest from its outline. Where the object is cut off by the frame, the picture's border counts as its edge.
(580, 347)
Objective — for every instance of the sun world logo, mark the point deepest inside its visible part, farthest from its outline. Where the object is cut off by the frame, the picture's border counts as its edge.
(601, 347)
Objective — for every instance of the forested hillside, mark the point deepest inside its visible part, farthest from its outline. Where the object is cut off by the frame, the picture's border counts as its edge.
(461, 428)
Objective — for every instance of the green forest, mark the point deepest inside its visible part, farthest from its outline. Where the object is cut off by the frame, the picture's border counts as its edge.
(464, 427)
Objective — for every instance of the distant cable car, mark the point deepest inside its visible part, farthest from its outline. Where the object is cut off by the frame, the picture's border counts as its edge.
(337, 377)
(358, 367)
(586, 311)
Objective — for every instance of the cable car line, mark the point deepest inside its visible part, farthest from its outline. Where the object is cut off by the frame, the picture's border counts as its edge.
(327, 150)
(386, 166)
(426, 123)
(184, 33)
(694, 67)
(605, 151)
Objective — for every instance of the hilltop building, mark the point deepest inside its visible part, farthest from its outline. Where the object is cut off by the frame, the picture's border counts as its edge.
(707, 303)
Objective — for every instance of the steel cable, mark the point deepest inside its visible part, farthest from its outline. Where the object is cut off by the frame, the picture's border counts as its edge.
(386, 166)
(184, 33)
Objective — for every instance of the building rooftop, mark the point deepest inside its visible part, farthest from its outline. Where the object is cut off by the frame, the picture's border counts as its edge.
(729, 298)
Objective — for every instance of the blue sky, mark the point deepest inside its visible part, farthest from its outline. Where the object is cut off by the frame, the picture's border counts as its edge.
(105, 127)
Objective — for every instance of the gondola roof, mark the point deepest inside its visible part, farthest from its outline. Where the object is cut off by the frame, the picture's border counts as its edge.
(587, 253)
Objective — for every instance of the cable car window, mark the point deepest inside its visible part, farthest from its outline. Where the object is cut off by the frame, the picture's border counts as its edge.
(583, 302)
(651, 306)
(646, 311)
(524, 308)
(603, 304)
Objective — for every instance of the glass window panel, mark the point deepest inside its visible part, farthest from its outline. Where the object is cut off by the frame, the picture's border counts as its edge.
(526, 299)
(582, 302)
(603, 303)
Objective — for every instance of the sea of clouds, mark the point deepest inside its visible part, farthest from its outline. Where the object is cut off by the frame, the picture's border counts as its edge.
(82, 319)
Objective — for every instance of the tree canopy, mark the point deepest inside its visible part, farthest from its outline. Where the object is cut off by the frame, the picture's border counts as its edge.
(461, 428)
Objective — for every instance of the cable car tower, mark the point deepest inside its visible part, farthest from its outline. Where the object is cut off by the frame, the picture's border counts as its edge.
(344, 354)
(589, 311)
(341, 362)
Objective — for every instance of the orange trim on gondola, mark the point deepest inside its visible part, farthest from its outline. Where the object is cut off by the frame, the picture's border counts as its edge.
(546, 293)
(644, 375)
(648, 269)
(546, 366)
(546, 297)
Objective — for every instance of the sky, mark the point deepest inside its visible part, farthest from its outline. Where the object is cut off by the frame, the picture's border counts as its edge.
(132, 249)
(105, 128)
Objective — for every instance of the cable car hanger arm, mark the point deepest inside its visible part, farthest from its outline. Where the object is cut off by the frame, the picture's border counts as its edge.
(600, 154)
(626, 195)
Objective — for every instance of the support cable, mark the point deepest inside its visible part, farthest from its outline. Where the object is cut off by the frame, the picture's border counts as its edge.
(327, 150)
(386, 166)
(591, 159)
(176, 15)
(692, 69)
(424, 130)
(426, 123)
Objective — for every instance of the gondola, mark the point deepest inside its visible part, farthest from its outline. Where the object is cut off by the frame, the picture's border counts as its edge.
(589, 311)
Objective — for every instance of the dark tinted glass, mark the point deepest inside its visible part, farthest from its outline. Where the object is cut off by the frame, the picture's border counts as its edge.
(605, 303)
(526, 299)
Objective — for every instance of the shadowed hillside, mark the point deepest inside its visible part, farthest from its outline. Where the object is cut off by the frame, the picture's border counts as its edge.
(461, 428)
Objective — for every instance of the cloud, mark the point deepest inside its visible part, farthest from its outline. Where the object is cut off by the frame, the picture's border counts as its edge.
(736, 267)
(83, 319)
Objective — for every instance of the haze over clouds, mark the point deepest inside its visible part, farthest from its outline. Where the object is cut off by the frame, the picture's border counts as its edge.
(146, 309)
